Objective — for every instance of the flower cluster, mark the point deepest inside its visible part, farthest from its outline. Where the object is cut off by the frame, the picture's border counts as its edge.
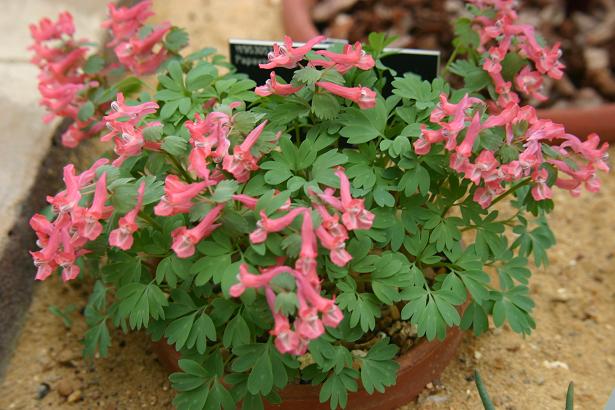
(332, 236)
(71, 89)
(122, 124)
(62, 82)
(62, 241)
(499, 35)
(462, 124)
(285, 56)
(137, 46)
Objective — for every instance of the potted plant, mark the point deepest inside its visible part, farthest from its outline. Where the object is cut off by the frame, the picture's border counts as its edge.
(304, 243)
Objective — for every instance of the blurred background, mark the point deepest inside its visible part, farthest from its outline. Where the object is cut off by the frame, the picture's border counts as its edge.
(575, 339)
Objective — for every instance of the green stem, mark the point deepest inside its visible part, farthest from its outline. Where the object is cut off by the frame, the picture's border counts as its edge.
(149, 220)
(450, 61)
(510, 191)
(179, 167)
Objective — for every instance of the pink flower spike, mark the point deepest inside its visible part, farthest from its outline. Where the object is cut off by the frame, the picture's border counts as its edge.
(362, 96)
(121, 237)
(178, 195)
(273, 87)
(185, 240)
(286, 56)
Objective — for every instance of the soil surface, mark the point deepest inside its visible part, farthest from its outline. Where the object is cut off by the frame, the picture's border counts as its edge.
(574, 341)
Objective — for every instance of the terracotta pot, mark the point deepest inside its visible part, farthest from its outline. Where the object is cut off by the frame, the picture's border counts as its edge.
(297, 19)
(421, 365)
(584, 121)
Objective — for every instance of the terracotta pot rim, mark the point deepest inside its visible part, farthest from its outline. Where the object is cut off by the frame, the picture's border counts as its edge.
(423, 363)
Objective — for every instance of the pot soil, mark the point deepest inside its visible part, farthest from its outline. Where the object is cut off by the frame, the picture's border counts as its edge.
(423, 363)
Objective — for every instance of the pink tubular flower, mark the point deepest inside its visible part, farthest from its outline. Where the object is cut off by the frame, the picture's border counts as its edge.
(185, 240)
(597, 157)
(354, 215)
(242, 162)
(286, 56)
(121, 237)
(336, 245)
(306, 263)
(273, 87)
(42, 227)
(177, 198)
(48, 30)
(137, 53)
(465, 148)
(266, 226)
(132, 113)
(125, 22)
(530, 83)
(205, 135)
(44, 260)
(248, 201)
(286, 340)
(66, 200)
(483, 196)
(541, 190)
(362, 96)
(352, 56)
(309, 325)
(331, 222)
(248, 280)
(87, 222)
(67, 257)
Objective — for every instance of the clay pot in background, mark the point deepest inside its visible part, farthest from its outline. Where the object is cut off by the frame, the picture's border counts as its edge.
(297, 20)
(578, 121)
(419, 366)
(583, 121)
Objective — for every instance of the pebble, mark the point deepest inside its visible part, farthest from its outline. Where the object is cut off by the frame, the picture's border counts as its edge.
(42, 391)
(75, 396)
(65, 387)
(66, 357)
(555, 365)
(437, 398)
(477, 355)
